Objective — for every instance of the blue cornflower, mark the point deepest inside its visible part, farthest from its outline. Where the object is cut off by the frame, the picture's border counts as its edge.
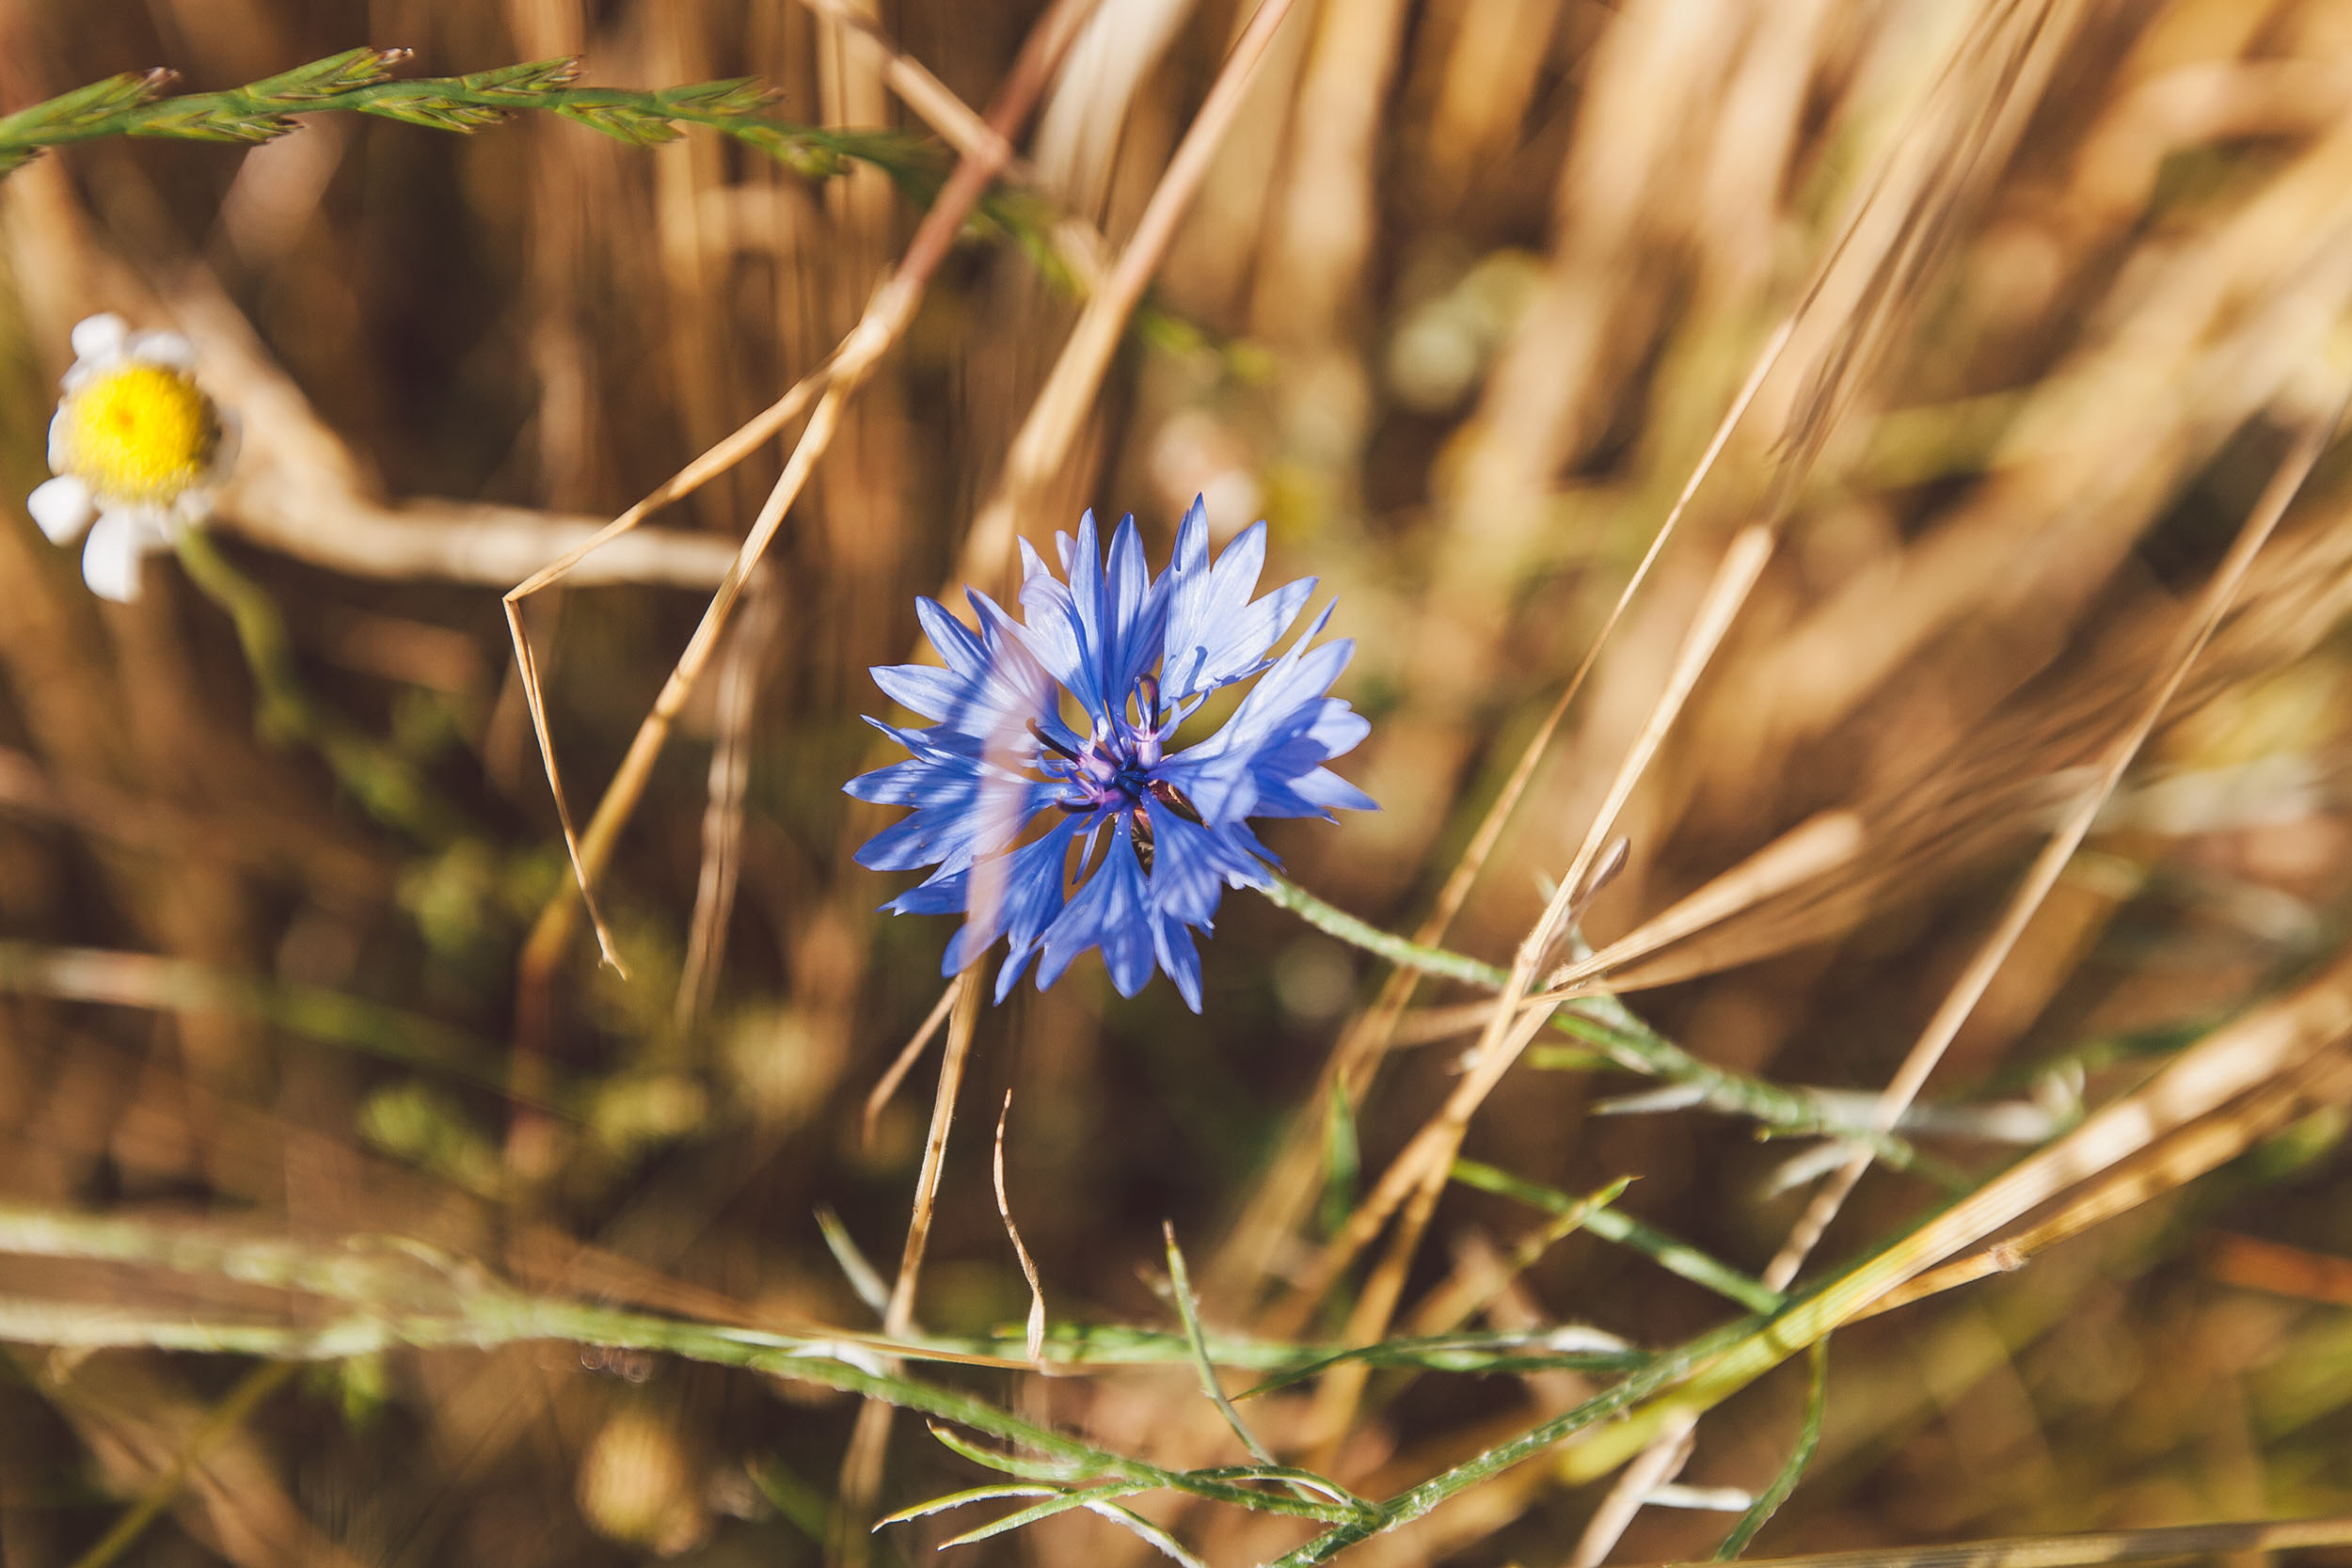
(1139, 841)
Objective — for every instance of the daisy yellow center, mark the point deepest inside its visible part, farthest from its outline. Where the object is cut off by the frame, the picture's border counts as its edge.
(142, 433)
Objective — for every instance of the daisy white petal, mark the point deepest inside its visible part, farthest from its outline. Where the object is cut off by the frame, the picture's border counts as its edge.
(110, 562)
(101, 336)
(161, 348)
(63, 507)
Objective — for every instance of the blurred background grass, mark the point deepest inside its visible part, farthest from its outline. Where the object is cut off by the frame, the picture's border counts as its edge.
(1464, 295)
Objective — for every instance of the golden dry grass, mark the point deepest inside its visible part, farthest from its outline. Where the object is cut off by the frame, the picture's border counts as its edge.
(1835, 446)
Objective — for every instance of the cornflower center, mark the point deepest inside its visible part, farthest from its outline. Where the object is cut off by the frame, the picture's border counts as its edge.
(141, 432)
(1111, 769)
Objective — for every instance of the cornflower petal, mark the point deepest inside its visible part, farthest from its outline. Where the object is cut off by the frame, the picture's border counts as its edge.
(1192, 865)
(1172, 946)
(934, 693)
(1135, 616)
(964, 808)
(1051, 633)
(942, 893)
(1025, 901)
(1029, 683)
(1083, 560)
(962, 649)
(1267, 759)
(1216, 635)
(1110, 912)
(1191, 868)
(1019, 893)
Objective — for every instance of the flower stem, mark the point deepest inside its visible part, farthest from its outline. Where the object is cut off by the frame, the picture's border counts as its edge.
(1615, 1029)
(284, 713)
(1372, 938)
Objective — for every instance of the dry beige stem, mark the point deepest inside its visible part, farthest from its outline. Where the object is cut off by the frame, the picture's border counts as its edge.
(2212, 332)
(969, 133)
(2088, 1547)
(1658, 1464)
(2173, 1163)
(1055, 418)
(722, 814)
(1958, 807)
(2267, 1046)
(1282, 1197)
(1035, 1344)
(912, 1052)
(861, 1465)
(297, 489)
(1812, 848)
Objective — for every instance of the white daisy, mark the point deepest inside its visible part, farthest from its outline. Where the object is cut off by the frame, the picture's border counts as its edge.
(136, 446)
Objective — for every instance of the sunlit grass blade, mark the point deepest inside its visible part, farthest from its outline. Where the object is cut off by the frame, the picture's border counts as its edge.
(1061, 1503)
(958, 1499)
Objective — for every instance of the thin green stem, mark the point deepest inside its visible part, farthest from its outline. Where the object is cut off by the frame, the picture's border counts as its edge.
(1188, 1308)
(1673, 1256)
(1692, 1378)
(230, 1414)
(86, 1326)
(1617, 1401)
(1768, 1502)
(481, 1316)
(403, 1277)
(1608, 1024)
(518, 1318)
(358, 81)
(1486, 1354)
(1372, 938)
(284, 713)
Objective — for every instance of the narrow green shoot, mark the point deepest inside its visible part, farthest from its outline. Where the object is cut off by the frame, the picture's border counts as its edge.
(1808, 1438)
(1675, 1257)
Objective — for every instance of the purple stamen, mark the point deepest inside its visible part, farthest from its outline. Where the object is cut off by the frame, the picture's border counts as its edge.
(1037, 731)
